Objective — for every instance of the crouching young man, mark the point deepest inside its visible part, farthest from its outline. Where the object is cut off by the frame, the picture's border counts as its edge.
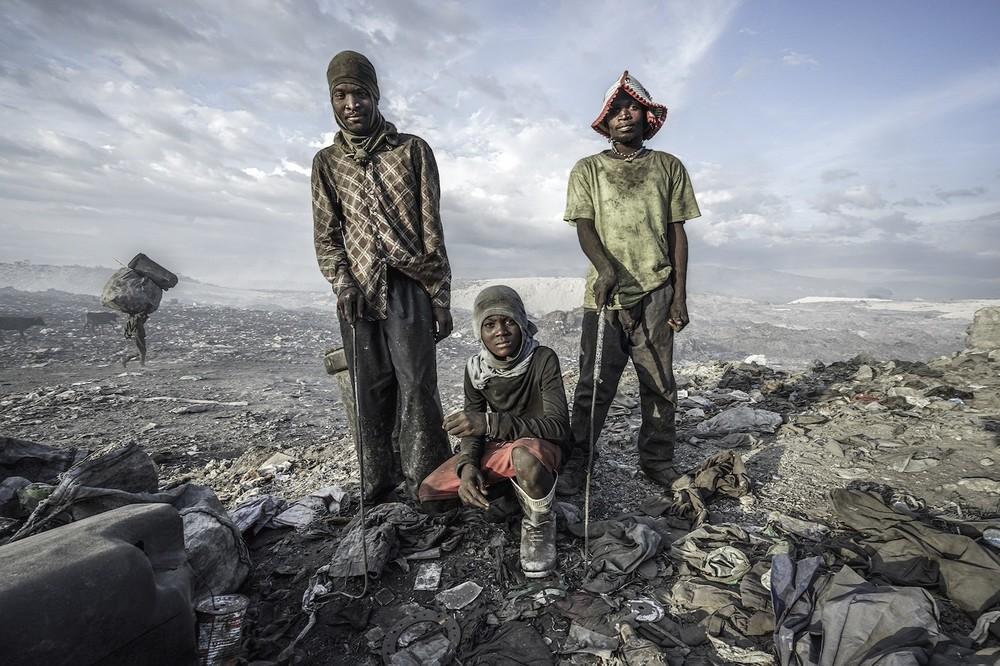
(513, 426)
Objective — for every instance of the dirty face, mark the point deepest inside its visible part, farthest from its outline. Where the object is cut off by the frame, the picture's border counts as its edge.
(354, 106)
(626, 119)
(501, 335)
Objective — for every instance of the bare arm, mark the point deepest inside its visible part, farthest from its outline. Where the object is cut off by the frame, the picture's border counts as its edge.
(678, 248)
(592, 246)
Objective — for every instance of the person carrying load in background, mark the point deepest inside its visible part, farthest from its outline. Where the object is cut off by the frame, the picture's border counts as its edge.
(629, 204)
(379, 242)
(137, 290)
(513, 426)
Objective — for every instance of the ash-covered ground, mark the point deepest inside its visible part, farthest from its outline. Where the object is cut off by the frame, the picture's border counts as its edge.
(881, 398)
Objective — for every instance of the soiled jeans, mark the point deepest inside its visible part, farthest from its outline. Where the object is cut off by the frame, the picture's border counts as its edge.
(397, 390)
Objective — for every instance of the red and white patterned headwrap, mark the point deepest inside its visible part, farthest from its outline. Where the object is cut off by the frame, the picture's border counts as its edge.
(656, 114)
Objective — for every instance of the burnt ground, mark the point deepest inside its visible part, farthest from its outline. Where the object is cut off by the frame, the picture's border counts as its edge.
(225, 389)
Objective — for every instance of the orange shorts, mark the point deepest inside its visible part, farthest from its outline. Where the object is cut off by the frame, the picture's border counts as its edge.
(496, 466)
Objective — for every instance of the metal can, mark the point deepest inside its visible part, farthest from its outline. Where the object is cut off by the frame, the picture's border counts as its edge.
(220, 628)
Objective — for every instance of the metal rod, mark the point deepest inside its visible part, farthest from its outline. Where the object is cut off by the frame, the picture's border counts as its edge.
(598, 358)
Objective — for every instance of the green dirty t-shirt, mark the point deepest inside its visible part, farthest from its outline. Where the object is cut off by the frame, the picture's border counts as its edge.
(631, 204)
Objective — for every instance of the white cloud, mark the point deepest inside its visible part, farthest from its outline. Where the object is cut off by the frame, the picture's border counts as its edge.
(796, 59)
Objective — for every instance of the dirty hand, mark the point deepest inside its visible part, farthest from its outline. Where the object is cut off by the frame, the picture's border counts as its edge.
(604, 287)
(677, 319)
(350, 304)
(466, 424)
(442, 323)
(472, 488)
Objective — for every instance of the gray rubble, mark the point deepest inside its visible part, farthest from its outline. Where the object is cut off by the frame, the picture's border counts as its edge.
(239, 402)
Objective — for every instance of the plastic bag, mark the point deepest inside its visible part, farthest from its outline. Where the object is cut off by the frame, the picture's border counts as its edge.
(130, 292)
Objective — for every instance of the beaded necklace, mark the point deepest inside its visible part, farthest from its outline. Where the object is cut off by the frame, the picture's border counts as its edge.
(629, 157)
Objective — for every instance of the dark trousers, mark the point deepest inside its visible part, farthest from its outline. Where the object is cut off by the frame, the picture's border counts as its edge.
(397, 390)
(650, 345)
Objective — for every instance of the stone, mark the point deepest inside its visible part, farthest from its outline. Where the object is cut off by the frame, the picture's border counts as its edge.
(984, 332)
(864, 374)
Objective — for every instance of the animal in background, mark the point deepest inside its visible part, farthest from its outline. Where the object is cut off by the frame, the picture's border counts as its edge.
(99, 319)
(19, 324)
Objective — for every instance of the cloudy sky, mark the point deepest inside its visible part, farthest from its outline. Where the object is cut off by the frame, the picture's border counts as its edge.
(853, 141)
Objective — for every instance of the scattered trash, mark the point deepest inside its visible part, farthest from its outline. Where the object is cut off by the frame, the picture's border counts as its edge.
(645, 610)
(279, 462)
(428, 576)
(799, 527)
(304, 511)
(220, 628)
(459, 596)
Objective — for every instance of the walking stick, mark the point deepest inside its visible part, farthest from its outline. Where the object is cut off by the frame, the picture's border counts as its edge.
(598, 356)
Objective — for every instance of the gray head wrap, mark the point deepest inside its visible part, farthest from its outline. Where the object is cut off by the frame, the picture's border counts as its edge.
(500, 300)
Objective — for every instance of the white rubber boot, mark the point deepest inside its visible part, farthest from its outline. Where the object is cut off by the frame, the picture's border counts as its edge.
(538, 533)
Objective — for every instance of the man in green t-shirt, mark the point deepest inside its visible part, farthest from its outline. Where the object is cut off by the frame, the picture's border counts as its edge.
(628, 205)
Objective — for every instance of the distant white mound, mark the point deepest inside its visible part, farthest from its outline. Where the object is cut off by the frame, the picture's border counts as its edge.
(837, 299)
(960, 309)
(541, 295)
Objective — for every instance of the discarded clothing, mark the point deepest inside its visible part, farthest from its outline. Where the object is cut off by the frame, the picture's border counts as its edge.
(587, 609)
(581, 639)
(857, 623)
(617, 549)
(699, 594)
(707, 550)
(983, 624)
(510, 643)
(908, 552)
(688, 500)
(390, 530)
(793, 600)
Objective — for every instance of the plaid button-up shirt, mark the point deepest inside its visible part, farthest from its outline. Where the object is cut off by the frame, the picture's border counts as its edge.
(383, 214)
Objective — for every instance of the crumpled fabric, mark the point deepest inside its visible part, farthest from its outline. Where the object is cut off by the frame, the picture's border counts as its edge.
(982, 629)
(908, 552)
(698, 594)
(510, 644)
(726, 614)
(689, 495)
(581, 639)
(257, 513)
(793, 600)
(754, 593)
(588, 610)
(391, 529)
(708, 550)
(617, 549)
(858, 623)
(741, 418)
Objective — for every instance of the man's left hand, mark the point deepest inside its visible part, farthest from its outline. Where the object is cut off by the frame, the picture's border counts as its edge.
(442, 323)
(466, 424)
(678, 316)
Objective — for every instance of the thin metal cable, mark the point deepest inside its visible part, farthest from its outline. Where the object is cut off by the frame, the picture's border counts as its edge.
(598, 357)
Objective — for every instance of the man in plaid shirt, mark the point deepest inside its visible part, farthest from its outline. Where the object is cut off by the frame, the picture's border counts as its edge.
(378, 237)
